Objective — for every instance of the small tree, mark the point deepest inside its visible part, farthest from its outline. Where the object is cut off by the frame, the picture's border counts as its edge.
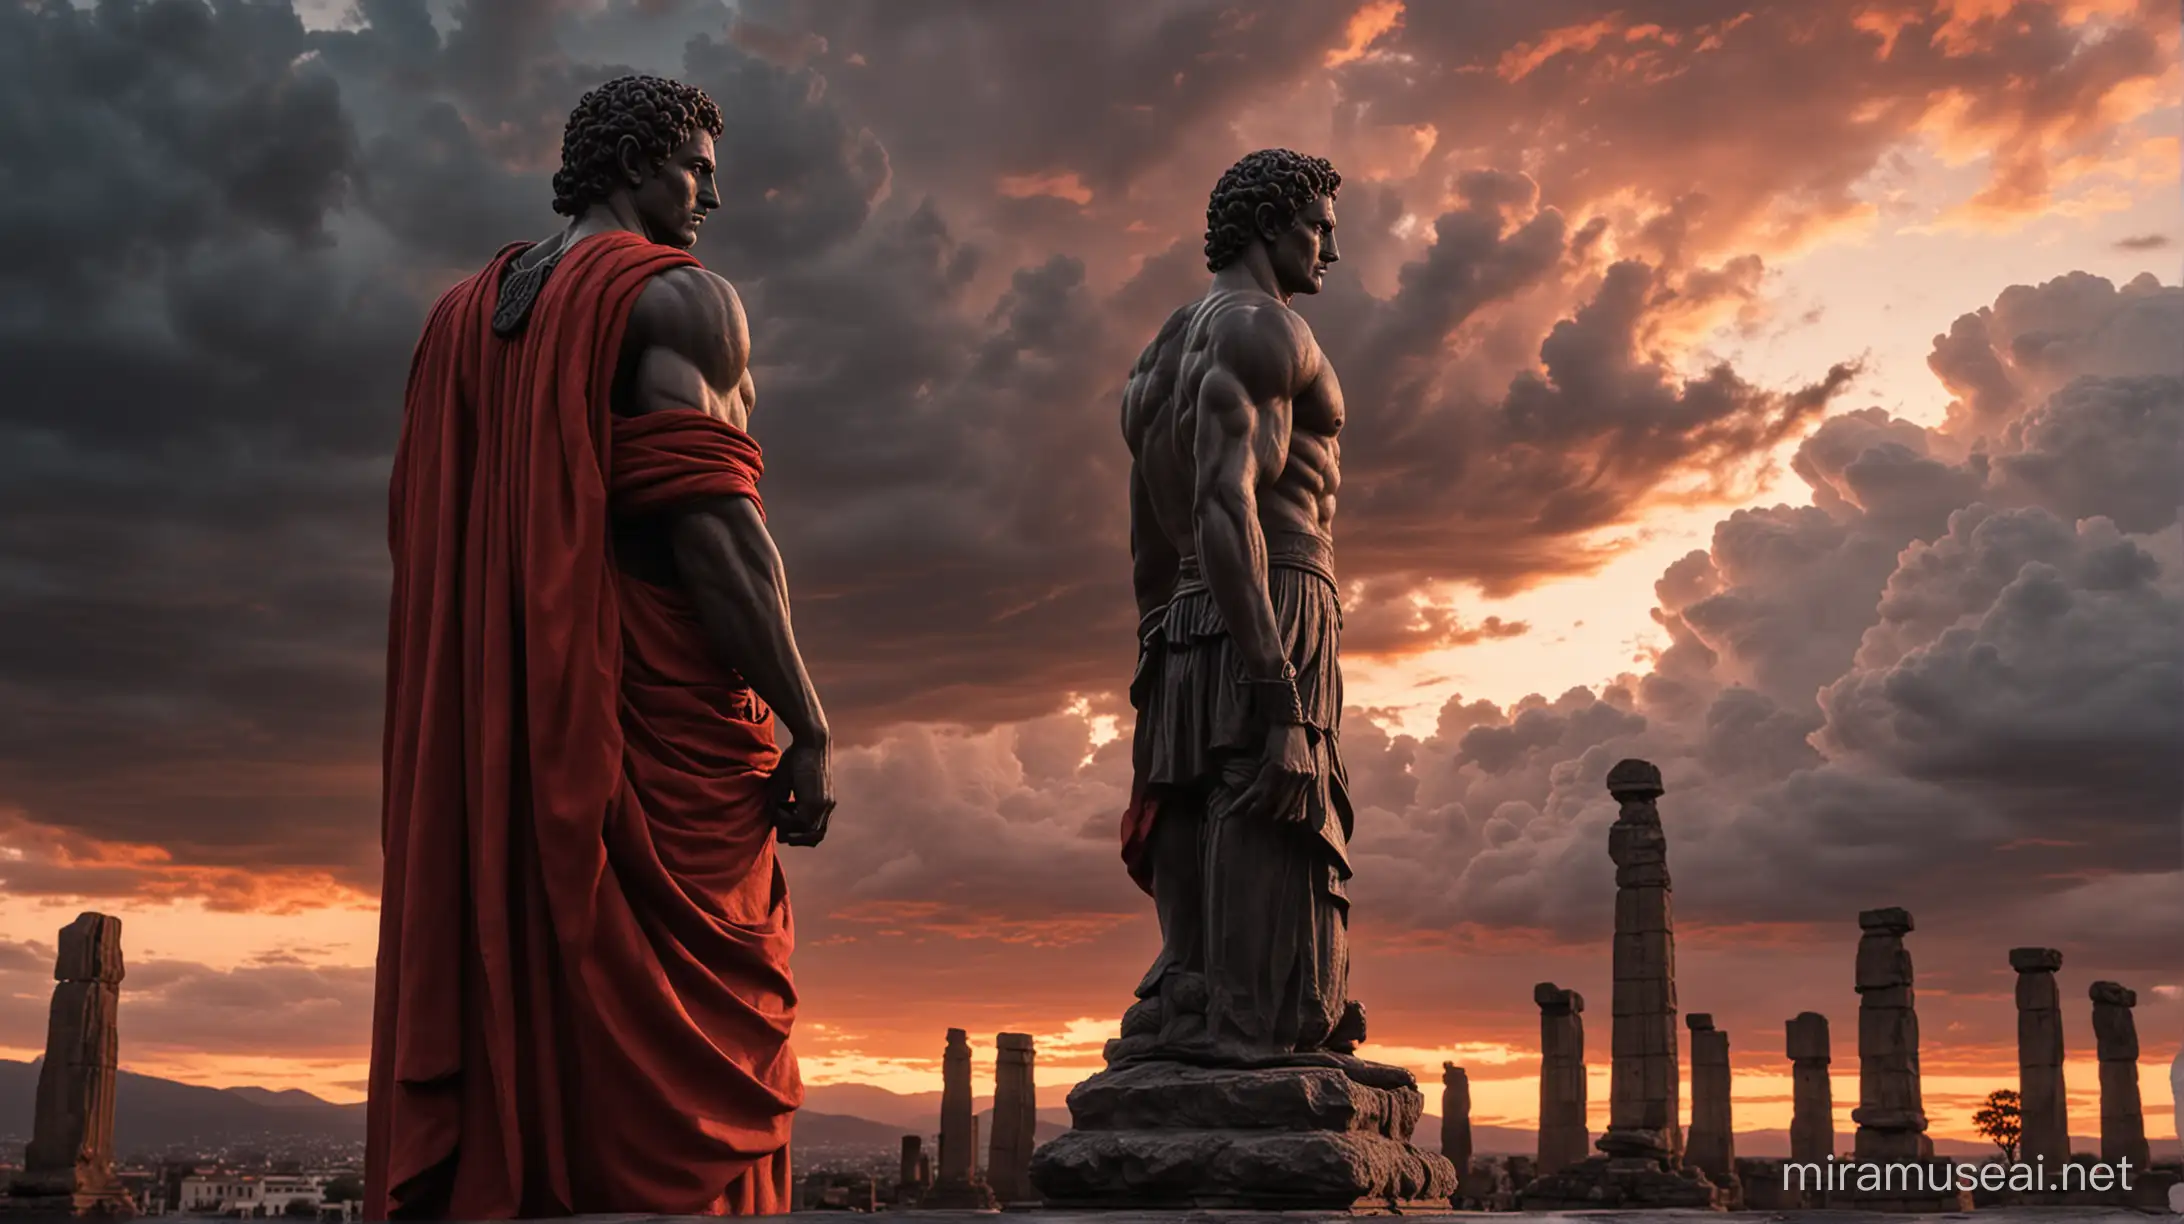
(346, 1188)
(1999, 1120)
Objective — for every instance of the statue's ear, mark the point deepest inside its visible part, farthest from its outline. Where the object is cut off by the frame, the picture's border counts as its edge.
(630, 159)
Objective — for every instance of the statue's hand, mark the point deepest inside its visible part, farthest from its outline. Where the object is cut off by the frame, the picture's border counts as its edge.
(1277, 793)
(803, 795)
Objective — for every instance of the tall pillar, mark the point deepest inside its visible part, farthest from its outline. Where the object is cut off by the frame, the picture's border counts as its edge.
(1891, 1113)
(69, 1162)
(2123, 1115)
(1565, 1136)
(1015, 1119)
(958, 1138)
(1643, 1088)
(1712, 1145)
(1812, 1108)
(906, 1181)
(957, 1184)
(1456, 1116)
(2045, 1113)
(1640, 1162)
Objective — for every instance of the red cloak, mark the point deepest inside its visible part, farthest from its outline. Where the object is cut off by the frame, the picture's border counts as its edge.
(583, 995)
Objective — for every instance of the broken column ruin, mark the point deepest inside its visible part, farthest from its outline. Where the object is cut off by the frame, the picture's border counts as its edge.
(1812, 1097)
(2115, 1035)
(1643, 1109)
(1642, 1163)
(2044, 1114)
(1564, 1135)
(956, 1116)
(1891, 1113)
(910, 1181)
(1015, 1119)
(957, 1185)
(1712, 1144)
(1456, 1116)
(68, 1167)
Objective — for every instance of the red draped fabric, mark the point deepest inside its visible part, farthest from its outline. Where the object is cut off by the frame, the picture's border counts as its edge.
(583, 999)
(1137, 834)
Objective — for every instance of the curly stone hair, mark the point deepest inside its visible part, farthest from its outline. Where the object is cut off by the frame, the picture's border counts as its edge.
(1288, 181)
(660, 113)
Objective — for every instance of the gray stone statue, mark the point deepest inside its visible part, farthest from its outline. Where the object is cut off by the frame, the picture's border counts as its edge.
(1240, 824)
(1235, 1082)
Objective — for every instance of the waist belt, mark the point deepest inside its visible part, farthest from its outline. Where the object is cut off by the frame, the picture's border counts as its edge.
(1303, 551)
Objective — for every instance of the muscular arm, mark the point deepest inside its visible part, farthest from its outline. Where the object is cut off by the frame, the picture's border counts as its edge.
(1260, 360)
(694, 352)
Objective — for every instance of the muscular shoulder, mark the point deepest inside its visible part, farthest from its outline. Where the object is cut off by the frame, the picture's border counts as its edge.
(694, 315)
(1266, 347)
(1152, 380)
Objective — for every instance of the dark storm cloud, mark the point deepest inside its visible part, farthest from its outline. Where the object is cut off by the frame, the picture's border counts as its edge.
(1923, 690)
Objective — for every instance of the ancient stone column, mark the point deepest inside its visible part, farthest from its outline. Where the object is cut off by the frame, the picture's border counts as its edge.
(958, 1123)
(1456, 1116)
(913, 1152)
(1643, 1117)
(2123, 1116)
(1812, 1098)
(958, 1185)
(69, 1162)
(2045, 1114)
(1564, 1135)
(1015, 1119)
(1712, 1145)
(1891, 1113)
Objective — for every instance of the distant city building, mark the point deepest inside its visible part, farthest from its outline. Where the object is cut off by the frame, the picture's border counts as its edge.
(251, 1197)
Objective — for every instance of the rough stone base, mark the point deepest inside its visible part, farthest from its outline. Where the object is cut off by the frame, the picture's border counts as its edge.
(1156, 1135)
(1613, 1182)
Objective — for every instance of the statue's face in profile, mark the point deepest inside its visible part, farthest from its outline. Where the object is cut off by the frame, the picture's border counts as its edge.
(672, 200)
(1302, 250)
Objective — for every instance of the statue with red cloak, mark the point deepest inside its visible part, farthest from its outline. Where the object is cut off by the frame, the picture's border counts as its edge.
(584, 1001)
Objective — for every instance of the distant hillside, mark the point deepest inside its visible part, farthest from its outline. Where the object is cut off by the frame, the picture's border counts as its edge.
(152, 1114)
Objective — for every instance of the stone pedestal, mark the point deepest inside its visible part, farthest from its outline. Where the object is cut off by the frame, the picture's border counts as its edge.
(1812, 1097)
(1015, 1119)
(957, 1185)
(1456, 1117)
(2045, 1112)
(1891, 1113)
(1156, 1135)
(1712, 1143)
(68, 1166)
(1565, 1136)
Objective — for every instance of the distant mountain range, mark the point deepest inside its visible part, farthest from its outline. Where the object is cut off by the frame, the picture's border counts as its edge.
(153, 1114)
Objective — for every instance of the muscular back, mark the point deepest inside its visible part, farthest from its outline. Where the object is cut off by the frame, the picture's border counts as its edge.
(1234, 387)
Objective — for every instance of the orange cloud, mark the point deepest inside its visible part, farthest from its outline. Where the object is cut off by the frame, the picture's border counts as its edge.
(47, 861)
(1366, 26)
(1061, 185)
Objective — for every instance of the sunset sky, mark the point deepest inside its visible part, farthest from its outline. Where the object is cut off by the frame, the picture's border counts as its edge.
(1789, 394)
